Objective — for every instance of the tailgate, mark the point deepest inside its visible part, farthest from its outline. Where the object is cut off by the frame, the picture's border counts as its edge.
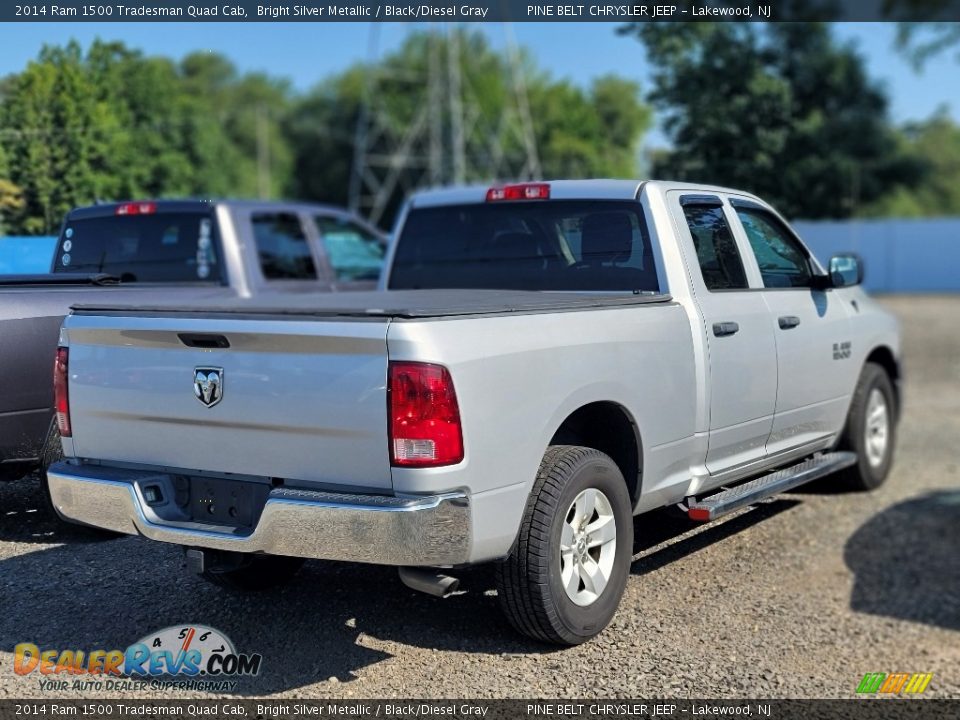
(292, 399)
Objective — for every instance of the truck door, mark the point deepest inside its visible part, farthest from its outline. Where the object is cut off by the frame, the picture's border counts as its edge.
(811, 327)
(741, 355)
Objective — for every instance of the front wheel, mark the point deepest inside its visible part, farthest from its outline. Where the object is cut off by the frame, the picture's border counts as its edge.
(567, 572)
(871, 429)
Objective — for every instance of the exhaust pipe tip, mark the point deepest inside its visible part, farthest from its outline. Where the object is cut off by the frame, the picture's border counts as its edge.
(429, 581)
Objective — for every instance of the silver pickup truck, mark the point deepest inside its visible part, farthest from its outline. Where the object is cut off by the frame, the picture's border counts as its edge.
(138, 251)
(545, 361)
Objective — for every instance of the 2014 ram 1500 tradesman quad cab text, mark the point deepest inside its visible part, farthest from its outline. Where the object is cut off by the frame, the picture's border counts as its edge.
(547, 360)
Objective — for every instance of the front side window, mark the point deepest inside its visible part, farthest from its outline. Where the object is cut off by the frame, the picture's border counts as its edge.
(354, 253)
(782, 260)
(576, 245)
(717, 252)
(282, 247)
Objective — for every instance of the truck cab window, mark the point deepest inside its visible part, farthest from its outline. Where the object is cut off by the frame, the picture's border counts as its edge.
(148, 248)
(717, 253)
(282, 247)
(354, 253)
(560, 245)
(782, 260)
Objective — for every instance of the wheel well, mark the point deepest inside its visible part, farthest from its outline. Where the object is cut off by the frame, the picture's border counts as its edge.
(607, 427)
(883, 357)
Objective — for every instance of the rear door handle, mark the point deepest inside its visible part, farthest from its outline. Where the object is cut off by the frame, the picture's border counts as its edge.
(788, 321)
(722, 329)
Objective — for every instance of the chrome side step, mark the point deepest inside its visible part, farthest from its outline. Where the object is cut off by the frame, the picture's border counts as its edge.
(739, 496)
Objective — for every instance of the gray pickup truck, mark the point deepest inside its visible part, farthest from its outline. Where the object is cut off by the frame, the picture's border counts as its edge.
(135, 252)
(546, 361)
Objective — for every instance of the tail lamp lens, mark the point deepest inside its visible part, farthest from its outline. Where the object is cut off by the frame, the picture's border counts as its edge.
(61, 399)
(424, 416)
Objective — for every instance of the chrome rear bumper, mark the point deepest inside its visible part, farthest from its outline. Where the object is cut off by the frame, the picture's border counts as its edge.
(382, 529)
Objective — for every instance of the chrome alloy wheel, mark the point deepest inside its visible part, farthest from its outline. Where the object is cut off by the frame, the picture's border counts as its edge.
(876, 428)
(588, 546)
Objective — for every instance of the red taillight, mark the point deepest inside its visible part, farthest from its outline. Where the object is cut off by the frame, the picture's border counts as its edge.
(61, 401)
(138, 208)
(524, 191)
(424, 416)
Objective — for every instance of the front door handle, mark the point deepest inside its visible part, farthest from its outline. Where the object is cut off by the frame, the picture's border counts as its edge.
(722, 329)
(788, 321)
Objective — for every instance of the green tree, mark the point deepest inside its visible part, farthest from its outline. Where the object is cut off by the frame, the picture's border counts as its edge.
(592, 133)
(783, 111)
(321, 130)
(935, 145)
(235, 123)
(50, 114)
(114, 124)
(579, 133)
(11, 197)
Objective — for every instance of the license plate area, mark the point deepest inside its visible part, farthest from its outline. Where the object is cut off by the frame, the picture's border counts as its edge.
(234, 503)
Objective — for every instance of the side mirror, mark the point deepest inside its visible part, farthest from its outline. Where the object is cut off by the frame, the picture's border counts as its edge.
(846, 270)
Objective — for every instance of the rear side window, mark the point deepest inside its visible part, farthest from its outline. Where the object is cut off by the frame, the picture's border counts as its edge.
(720, 262)
(782, 260)
(282, 247)
(154, 247)
(354, 253)
(584, 245)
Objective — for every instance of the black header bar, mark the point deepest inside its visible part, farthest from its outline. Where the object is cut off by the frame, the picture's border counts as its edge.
(418, 11)
(295, 709)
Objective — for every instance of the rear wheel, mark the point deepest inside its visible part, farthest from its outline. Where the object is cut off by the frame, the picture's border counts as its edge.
(565, 577)
(871, 430)
(51, 453)
(259, 572)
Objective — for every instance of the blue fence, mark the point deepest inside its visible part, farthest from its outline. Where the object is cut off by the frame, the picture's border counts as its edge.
(900, 256)
(26, 255)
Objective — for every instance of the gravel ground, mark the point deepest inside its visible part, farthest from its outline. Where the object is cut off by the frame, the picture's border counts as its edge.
(798, 597)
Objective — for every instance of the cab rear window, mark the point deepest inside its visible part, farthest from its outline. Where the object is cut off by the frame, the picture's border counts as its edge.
(159, 247)
(582, 245)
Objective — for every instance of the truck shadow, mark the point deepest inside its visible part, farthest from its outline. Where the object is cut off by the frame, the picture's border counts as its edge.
(332, 621)
(25, 517)
(906, 561)
(661, 538)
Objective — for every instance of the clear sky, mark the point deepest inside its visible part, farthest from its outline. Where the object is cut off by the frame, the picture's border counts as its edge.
(306, 52)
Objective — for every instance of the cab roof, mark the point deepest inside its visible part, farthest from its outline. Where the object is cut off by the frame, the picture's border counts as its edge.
(199, 205)
(601, 189)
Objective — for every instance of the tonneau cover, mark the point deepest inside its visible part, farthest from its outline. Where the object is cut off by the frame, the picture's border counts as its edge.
(378, 304)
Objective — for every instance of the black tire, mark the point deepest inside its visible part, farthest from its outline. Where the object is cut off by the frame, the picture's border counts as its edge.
(260, 572)
(866, 474)
(529, 584)
(11, 471)
(52, 452)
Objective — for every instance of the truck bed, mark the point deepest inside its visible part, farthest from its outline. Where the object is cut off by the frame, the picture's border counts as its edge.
(399, 304)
